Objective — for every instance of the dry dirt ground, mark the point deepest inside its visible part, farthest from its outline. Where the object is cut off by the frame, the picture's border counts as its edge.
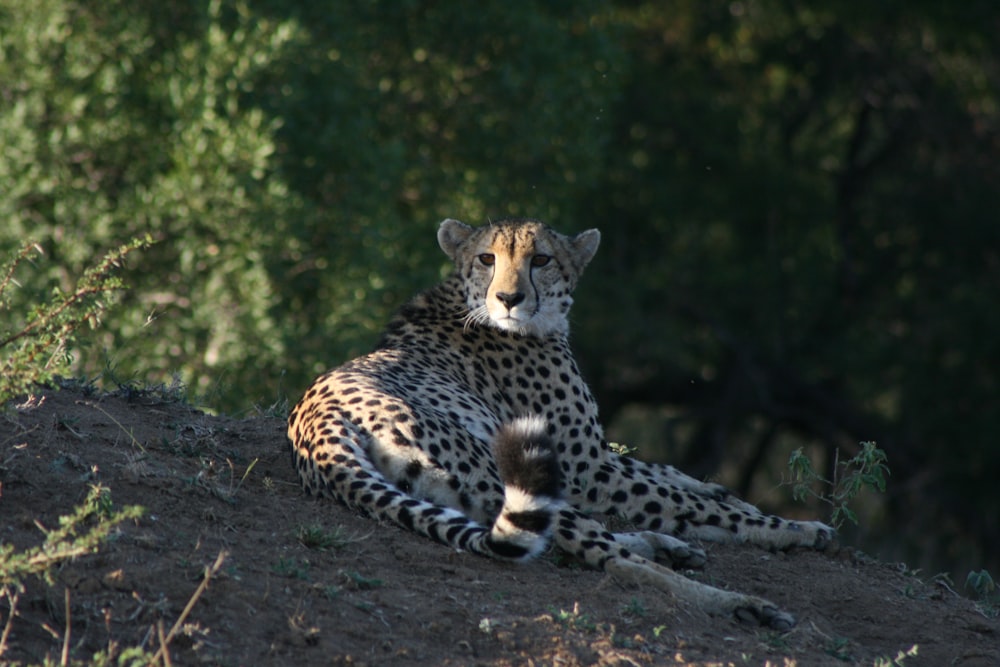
(309, 582)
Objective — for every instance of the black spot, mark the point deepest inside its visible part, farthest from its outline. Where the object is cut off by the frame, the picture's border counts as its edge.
(534, 522)
(506, 549)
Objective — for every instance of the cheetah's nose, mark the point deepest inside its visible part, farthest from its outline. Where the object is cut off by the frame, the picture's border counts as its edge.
(510, 300)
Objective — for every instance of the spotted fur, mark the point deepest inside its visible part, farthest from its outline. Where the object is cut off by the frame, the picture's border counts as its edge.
(471, 424)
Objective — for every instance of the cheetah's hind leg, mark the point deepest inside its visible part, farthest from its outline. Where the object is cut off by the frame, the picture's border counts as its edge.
(586, 539)
(746, 608)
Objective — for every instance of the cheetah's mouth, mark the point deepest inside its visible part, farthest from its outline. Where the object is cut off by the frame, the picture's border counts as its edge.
(518, 325)
(509, 322)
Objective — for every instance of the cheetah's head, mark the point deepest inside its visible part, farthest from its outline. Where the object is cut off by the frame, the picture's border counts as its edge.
(518, 274)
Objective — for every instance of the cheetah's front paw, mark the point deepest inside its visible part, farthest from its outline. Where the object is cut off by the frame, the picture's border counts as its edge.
(679, 554)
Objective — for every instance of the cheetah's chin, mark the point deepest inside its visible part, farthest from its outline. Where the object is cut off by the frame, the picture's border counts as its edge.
(512, 325)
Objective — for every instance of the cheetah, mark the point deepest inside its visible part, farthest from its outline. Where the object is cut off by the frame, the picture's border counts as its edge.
(471, 424)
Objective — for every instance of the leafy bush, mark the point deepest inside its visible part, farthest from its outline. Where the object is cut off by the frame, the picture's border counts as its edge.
(36, 347)
(79, 533)
(867, 469)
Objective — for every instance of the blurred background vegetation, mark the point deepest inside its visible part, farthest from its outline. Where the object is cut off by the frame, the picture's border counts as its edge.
(799, 204)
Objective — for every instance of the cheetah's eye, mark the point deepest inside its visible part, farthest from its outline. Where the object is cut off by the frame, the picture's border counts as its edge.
(540, 260)
(487, 259)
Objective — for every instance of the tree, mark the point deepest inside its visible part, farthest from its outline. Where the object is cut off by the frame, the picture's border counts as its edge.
(802, 212)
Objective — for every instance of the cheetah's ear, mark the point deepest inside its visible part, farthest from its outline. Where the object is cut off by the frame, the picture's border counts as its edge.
(584, 247)
(452, 234)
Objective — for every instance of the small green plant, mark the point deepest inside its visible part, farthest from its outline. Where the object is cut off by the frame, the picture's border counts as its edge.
(79, 533)
(899, 660)
(623, 450)
(774, 639)
(573, 619)
(362, 582)
(981, 583)
(288, 567)
(839, 648)
(867, 469)
(635, 608)
(985, 588)
(36, 348)
(316, 537)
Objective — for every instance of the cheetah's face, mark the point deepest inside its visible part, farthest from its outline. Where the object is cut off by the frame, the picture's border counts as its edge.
(519, 274)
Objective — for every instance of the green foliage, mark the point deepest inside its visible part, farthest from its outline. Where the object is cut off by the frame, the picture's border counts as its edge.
(289, 567)
(988, 599)
(362, 582)
(78, 534)
(839, 648)
(900, 659)
(865, 470)
(981, 582)
(36, 348)
(320, 539)
(573, 620)
(622, 449)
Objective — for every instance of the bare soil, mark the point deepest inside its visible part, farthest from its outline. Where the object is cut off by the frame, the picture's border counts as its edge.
(307, 581)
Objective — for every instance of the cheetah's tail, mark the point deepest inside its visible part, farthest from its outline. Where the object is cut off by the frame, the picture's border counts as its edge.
(526, 459)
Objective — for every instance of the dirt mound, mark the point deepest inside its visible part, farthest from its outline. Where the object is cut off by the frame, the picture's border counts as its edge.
(310, 582)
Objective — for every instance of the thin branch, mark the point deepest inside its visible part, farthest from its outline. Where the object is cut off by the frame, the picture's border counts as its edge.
(69, 618)
(209, 573)
(13, 598)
